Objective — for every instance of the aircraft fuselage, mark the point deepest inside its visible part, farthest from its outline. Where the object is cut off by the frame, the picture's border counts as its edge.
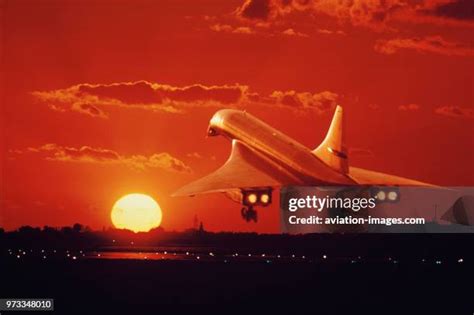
(275, 145)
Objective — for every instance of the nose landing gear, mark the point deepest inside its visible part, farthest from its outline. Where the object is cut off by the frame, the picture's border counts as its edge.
(249, 214)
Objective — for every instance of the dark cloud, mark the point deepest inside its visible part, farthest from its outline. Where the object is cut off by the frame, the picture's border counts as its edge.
(320, 102)
(357, 12)
(87, 154)
(458, 9)
(429, 44)
(91, 110)
(127, 92)
(198, 92)
(93, 99)
(255, 9)
(142, 92)
(455, 111)
(375, 14)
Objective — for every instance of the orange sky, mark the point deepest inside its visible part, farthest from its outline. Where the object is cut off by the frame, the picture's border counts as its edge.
(108, 98)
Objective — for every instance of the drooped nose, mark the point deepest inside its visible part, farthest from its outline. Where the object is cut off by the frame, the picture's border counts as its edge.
(214, 124)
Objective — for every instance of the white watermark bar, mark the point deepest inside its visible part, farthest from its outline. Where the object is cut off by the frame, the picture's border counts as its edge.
(376, 209)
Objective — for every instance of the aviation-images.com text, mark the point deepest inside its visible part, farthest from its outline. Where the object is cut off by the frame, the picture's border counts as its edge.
(339, 203)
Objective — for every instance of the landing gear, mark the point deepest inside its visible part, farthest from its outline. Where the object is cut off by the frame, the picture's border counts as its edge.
(248, 214)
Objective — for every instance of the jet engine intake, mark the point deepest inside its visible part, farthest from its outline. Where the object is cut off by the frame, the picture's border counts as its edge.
(257, 197)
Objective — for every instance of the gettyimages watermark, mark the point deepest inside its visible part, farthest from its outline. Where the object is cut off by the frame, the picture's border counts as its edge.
(376, 209)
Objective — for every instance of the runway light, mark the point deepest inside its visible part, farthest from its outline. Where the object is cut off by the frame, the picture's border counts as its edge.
(392, 196)
(252, 198)
(460, 260)
(74, 257)
(381, 195)
(324, 256)
(264, 198)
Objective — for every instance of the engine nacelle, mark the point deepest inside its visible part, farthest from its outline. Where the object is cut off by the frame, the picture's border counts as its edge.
(251, 197)
(386, 194)
(257, 197)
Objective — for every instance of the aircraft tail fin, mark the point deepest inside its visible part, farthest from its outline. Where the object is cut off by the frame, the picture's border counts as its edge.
(332, 150)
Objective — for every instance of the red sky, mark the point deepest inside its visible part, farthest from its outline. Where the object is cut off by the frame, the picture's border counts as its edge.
(104, 98)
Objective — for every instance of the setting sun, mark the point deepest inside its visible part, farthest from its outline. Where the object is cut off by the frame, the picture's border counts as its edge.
(136, 212)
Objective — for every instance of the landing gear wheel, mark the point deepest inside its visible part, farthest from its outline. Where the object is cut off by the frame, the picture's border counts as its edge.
(248, 214)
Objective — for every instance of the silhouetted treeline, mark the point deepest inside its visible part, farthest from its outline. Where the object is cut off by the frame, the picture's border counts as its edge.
(81, 237)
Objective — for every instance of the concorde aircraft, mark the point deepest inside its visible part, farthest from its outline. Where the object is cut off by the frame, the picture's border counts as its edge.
(263, 158)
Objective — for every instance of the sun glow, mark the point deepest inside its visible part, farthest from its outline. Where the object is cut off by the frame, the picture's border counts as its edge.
(136, 212)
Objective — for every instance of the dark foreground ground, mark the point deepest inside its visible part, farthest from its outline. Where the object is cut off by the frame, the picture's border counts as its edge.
(343, 274)
(92, 286)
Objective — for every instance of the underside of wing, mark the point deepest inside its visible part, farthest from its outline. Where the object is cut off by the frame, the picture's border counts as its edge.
(245, 168)
(366, 177)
